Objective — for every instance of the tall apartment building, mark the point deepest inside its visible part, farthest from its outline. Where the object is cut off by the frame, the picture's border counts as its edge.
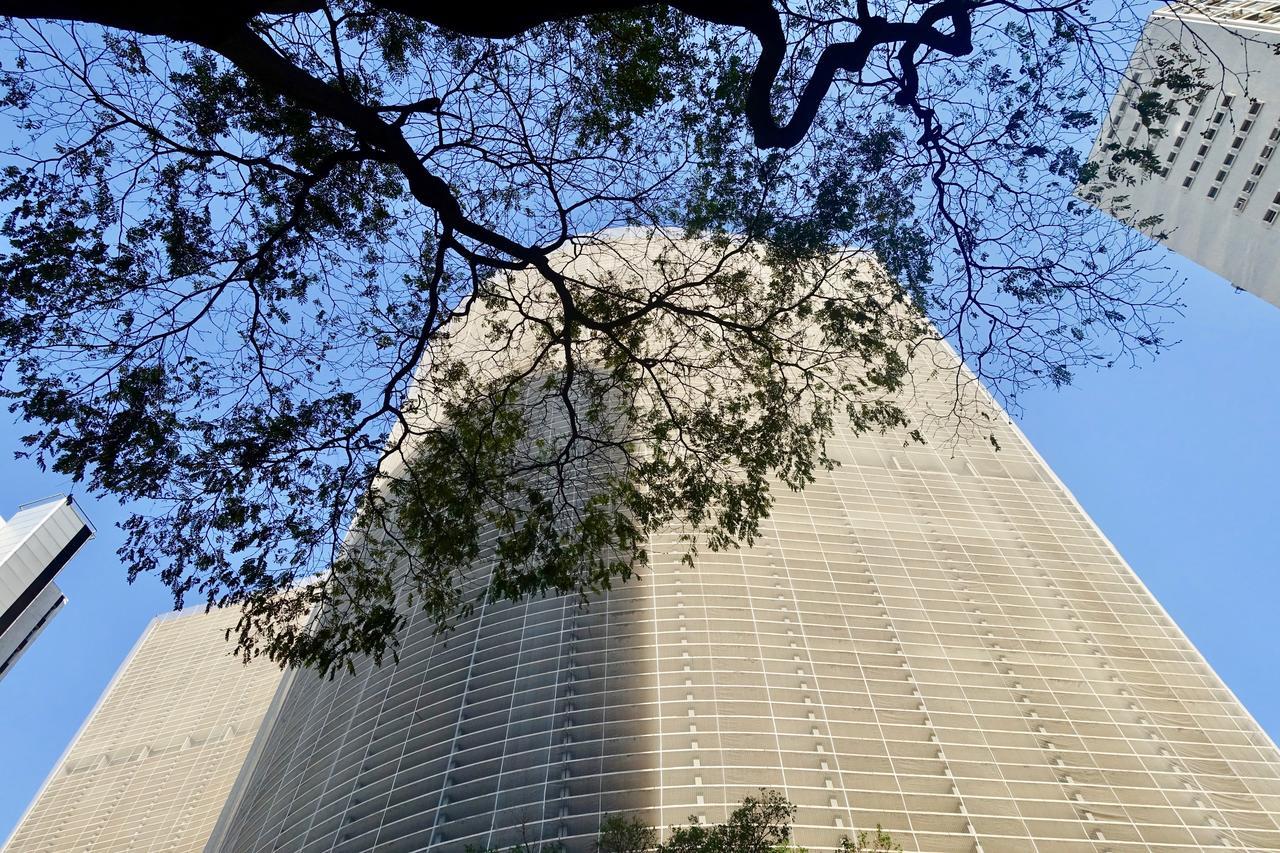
(934, 638)
(1218, 187)
(35, 544)
(152, 765)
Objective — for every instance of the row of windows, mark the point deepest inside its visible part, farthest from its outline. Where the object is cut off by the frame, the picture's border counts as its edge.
(1257, 169)
(1253, 11)
(1233, 153)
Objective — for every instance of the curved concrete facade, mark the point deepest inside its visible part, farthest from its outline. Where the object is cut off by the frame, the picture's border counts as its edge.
(523, 724)
(932, 638)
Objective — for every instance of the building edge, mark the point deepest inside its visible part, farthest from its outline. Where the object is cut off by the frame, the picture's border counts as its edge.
(1071, 496)
(97, 707)
(243, 777)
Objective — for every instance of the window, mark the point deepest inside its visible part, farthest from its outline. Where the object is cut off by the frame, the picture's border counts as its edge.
(1273, 211)
(1255, 172)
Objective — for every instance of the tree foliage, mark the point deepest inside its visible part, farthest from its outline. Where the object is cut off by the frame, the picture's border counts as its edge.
(242, 239)
(760, 824)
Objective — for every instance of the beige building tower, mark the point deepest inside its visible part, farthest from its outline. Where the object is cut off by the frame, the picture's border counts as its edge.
(1218, 185)
(151, 767)
(934, 638)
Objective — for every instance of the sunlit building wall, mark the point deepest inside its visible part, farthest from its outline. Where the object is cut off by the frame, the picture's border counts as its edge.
(154, 762)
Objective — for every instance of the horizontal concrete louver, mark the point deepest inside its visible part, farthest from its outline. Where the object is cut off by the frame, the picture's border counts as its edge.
(153, 764)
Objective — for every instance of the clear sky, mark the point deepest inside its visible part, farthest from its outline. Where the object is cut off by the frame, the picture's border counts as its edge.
(1176, 461)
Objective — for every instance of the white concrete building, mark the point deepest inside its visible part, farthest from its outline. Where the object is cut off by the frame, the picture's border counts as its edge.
(934, 638)
(35, 544)
(152, 765)
(1218, 188)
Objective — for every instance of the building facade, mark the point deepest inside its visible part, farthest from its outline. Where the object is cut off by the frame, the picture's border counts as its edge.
(152, 765)
(932, 637)
(35, 544)
(1218, 185)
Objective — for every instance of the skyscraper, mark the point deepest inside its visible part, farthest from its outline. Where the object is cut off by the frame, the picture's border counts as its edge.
(35, 544)
(934, 638)
(1217, 189)
(152, 765)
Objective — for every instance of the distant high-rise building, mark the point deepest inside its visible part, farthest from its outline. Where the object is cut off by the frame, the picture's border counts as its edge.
(934, 638)
(152, 765)
(1217, 188)
(34, 546)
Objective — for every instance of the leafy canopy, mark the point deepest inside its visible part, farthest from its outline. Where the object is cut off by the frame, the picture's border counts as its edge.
(244, 243)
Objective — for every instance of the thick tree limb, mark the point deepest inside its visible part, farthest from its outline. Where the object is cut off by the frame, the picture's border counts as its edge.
(211, 27)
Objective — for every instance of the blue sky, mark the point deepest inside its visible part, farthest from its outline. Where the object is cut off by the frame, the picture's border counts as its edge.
(1176, 461)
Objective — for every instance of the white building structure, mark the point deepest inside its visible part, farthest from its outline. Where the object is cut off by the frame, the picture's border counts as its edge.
(34, 546)
(155, 760)
(931, 637)
(1218, 187)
